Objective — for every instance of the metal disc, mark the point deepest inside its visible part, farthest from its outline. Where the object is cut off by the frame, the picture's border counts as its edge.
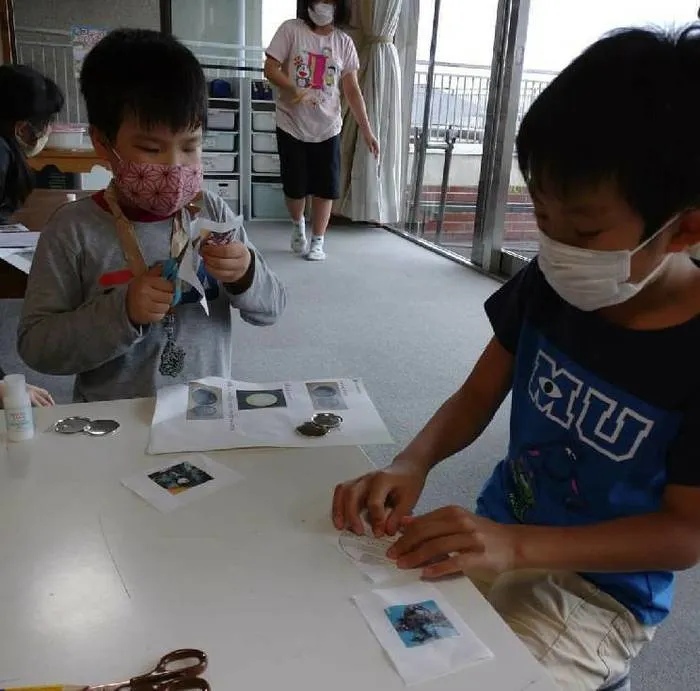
(311, 429)
(71, 425)
(100, 428)
(327, 420)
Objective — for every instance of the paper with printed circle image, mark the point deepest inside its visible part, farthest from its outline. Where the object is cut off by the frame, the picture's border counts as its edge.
(214, 413)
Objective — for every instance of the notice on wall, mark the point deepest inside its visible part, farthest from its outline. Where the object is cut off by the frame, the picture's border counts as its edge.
(83, 40)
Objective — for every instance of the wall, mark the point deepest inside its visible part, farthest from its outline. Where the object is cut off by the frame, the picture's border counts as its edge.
(217, 21)
(62, 14)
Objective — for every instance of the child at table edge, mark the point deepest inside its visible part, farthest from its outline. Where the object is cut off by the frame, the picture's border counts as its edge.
(83, 313)
(578, 531)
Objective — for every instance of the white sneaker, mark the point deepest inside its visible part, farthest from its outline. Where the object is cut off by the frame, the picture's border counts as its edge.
(316, 253)
(299, 244)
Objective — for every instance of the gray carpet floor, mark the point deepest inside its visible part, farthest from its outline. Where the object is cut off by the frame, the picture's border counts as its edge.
(411, 324)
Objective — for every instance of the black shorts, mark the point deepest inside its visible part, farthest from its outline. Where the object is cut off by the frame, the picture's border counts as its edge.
(309, 169)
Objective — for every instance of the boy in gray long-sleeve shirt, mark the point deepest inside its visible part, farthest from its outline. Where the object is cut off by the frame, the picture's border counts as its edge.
(92, 307)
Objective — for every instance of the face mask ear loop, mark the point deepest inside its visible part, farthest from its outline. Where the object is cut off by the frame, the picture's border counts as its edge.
(663, 228)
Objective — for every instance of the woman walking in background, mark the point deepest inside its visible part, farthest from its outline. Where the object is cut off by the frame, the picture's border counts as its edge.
(308, 60)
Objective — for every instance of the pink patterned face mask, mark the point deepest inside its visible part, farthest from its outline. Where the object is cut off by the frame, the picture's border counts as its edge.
(158, 188)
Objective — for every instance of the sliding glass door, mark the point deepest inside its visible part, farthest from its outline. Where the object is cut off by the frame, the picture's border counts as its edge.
(474, 82)
(576, 26)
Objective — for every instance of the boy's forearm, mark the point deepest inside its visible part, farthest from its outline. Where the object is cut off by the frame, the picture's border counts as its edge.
(77, 341)
(264, 300)
(651, 542)
(456, 425)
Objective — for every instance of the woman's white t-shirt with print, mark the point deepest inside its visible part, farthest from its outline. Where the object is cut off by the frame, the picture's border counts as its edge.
(317, 63)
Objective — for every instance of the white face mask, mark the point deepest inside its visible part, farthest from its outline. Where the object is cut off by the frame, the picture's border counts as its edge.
(322, 13)
(593, 279)
(40, 141)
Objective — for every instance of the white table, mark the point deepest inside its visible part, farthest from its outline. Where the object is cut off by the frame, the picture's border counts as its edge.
(95, 584)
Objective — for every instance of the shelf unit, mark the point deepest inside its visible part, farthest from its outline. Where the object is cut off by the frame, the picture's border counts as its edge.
(222, 148)
(240, 89)
(266, 196)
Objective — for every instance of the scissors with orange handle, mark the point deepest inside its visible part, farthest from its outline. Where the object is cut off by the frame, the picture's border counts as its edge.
(176, 671)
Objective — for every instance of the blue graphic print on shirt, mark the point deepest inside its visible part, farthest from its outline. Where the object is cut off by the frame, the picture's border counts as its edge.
(582, 451)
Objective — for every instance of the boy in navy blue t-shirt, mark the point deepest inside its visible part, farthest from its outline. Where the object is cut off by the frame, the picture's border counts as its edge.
(578, 532)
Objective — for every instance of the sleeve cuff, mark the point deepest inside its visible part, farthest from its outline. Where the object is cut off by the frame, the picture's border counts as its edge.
(244, 284)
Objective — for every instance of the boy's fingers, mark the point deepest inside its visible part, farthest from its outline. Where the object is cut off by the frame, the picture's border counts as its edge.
(233, 250)
(161, 285)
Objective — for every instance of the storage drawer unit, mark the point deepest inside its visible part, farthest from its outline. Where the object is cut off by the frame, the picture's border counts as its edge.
(219, 141)
(225, 188)
(268, 201)
(264, 142)
(265, 121)
(218, 162)
(266, 163)
(221, 119)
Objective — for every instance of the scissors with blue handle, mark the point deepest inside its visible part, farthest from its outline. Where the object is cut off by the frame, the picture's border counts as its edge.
(170, 674)
(170, 272)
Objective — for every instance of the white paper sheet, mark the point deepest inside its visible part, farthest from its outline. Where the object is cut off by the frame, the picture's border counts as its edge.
(14, 228)
(181, 481)
(19, 258)
(214, 413)
(22, 240)
(422, 634)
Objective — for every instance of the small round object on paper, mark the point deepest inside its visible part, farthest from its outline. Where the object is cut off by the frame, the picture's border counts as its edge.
(71, 425)
(327, 420)
(311, 429)
(101, 428)
(261, 400)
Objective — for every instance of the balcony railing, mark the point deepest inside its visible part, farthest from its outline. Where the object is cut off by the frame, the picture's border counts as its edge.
(460, 97)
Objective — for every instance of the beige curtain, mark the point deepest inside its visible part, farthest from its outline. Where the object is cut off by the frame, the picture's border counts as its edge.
(371, 190)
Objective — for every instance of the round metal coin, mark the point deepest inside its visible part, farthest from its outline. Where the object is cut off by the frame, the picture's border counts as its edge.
(311, 429)
(101, 428)
(327, 420)
(71, 425)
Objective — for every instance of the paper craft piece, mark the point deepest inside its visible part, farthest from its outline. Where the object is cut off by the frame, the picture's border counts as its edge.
(368, 553)
(213, 233)
(422, 634)
(188, 274)
(181, 481)
(213, 413)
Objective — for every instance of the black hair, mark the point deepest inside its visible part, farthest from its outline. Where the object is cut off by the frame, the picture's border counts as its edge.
(625, 111)
(144, 74)
(25, 96)
(341, 17)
